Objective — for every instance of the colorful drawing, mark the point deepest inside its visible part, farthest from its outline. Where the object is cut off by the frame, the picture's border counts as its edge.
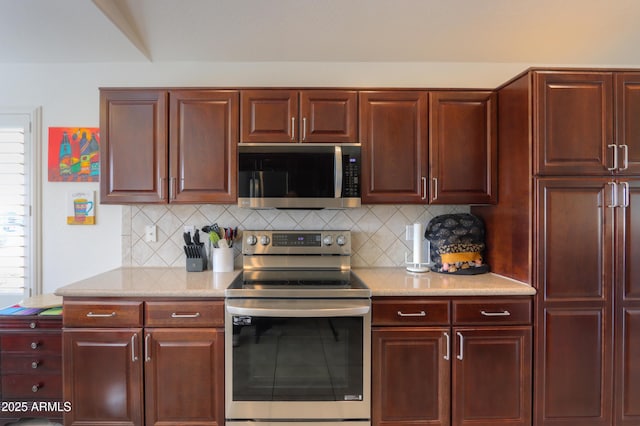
(80, 208)
(74, 154)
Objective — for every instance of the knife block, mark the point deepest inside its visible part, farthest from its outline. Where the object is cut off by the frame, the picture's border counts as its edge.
(197, 264)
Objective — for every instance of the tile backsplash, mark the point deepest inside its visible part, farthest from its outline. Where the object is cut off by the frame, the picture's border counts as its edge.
(377, 231)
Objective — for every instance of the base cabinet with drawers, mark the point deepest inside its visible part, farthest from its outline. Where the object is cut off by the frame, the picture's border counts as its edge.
(144, 362)
(31, 367)
(463, 361)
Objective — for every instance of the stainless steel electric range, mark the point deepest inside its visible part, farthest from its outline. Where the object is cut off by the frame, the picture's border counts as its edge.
(297, 337)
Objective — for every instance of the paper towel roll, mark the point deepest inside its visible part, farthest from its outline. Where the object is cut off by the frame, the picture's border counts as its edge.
(417, 243)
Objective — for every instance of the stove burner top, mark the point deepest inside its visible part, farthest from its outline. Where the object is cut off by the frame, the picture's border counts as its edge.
(308, 284)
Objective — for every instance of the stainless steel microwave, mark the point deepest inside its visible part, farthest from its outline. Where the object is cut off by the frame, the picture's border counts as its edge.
(299, 176)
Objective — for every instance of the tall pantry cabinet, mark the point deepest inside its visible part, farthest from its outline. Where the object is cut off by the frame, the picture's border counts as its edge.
(568, 221)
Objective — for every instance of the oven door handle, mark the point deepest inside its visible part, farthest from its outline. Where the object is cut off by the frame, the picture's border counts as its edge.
(298, 308)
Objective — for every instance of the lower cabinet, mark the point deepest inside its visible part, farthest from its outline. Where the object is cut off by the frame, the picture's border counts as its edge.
(103, 376)
(168, 370)
(431, 367)
(31, 367)
(184, 376)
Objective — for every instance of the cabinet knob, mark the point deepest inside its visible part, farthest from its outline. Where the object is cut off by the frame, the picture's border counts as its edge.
(34, 345)
(35, 388)
(32, 324)
(35, 364)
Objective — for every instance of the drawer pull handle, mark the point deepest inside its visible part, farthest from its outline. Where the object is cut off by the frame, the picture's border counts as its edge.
(33, 324)
(35, 388)
(34, 345)
(92, 315)
(35, 364)
(177, 315)
(415, 314)
(496, 314)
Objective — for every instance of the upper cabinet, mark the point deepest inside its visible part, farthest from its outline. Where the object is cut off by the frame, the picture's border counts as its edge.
(463, 147)
(273, 115)
(627, 138)
(393, 133)
(203, 145)
(163, 146)
(585, 123)
(133, 149)
(428, 147)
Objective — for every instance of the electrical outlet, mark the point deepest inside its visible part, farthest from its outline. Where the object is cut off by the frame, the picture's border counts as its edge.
(190, 228)
(150, 234)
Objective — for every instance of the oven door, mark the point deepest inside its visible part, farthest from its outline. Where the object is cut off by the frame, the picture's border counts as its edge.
(298, 359)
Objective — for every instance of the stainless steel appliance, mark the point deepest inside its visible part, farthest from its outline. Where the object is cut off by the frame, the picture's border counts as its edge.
(304, 175)
(297, 333)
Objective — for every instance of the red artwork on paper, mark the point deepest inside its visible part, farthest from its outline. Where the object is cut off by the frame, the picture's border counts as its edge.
(74, 154)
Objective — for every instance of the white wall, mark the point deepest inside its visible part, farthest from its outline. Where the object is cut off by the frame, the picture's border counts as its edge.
(68, 95)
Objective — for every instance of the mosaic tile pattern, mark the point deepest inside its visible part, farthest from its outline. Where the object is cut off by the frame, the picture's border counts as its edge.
(377, 231)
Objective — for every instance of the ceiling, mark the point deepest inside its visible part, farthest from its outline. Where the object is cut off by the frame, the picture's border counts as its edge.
(535, 32)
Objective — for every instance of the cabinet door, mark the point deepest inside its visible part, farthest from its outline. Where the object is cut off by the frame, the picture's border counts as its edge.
(329, 116)
(574, 342)
(184, 376)
(573, 123)
(133, 149)
(102, 376)
(627, 340)
(411, 376)
(269, 116)
(574, 233)
(627, 123)
(203, 146)
(492, 376)
(393, 133)
(463, 147)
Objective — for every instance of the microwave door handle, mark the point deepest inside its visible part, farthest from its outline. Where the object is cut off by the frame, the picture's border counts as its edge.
(338, 171)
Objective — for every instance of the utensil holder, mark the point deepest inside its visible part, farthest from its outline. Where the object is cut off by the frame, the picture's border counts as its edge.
(222, 259)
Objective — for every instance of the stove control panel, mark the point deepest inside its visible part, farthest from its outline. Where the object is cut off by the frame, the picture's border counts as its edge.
(297, 242)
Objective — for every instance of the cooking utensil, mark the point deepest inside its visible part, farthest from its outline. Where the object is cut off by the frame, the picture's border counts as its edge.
(214, 237)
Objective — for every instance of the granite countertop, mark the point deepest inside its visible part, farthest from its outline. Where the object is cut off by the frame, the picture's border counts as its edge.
(151, 282)
(177, 282)
(400, 282)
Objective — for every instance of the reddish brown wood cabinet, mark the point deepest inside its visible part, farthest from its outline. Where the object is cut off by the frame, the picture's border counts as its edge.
(133, 146)
(463, 142)
(144, 363)
(471, 367)
(176, 146)
(31, 367)
(103, 376)
(428, 147)
(586, 123)
(573, 235)
(393, 133)
(311, 116)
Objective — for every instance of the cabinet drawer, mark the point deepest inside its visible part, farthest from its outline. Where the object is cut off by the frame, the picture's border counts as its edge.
(24, 386)
(30, 324)
(30, 364)
(185, 314)
(410, 312)
(491, 311)
(32, 343)
(80, 313)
